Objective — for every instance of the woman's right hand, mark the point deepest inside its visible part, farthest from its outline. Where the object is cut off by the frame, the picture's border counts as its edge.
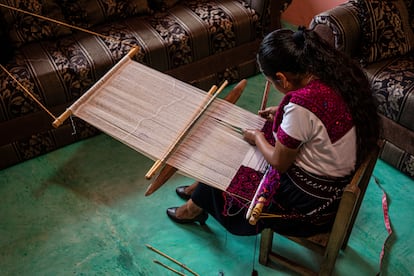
(268, 113)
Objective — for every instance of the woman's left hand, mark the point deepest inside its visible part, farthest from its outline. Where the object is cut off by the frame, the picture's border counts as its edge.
(250, 135)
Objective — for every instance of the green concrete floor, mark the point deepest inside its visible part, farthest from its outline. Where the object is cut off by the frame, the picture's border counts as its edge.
(81, 210)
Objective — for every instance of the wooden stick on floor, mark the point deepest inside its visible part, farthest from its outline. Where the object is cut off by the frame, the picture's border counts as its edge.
(171, 259)
(168, 267)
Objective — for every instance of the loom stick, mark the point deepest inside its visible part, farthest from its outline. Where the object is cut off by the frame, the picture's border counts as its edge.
(168, 171)
(265, 95)
(172, 148)
(27, 92)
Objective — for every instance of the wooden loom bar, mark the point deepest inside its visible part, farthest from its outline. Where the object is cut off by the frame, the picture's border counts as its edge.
(168, 171)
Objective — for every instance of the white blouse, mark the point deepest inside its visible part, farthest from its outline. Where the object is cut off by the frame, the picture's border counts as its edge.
(318, 154)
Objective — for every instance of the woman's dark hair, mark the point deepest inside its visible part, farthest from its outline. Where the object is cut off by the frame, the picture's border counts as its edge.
(304, 52)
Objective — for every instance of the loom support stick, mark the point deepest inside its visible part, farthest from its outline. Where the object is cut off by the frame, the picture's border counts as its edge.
(30, 94)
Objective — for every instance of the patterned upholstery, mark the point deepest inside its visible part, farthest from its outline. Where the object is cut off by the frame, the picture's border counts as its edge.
(386, 33)
(24, 28)
(88, 13)
(199, 41)
(389, 65)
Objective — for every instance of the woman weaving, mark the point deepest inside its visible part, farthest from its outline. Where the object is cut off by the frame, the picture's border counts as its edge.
(325, 125)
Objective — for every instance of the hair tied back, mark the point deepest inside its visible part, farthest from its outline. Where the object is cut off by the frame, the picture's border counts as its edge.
(299, 37)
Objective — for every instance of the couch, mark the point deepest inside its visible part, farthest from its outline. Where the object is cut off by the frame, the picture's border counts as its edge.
(379, 35)
(201, 42)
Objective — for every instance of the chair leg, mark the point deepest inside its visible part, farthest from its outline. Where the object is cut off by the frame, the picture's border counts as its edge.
(266, 241)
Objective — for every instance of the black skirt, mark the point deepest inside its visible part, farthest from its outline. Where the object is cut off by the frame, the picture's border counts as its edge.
(306, 207)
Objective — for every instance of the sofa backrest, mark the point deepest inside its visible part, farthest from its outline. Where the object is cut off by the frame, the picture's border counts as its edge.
(369, 30)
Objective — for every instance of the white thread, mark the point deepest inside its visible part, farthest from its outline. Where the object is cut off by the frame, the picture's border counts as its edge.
(73, 125)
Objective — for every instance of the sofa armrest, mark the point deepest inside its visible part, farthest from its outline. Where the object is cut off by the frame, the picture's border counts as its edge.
(340, 27)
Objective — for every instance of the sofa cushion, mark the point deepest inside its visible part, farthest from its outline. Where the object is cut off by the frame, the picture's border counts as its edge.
(386, 30)
(24, 28)
(88, 13)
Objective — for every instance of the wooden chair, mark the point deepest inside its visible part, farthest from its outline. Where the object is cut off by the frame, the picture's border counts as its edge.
(327, 244)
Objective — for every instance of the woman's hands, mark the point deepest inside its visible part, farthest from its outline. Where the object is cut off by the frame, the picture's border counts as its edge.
(250, 135)
(268, 113)
(278, 156)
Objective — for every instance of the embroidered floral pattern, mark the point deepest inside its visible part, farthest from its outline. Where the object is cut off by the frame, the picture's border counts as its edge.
(325, 103)
(268, 132)
(244, 185)
(286, 140)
